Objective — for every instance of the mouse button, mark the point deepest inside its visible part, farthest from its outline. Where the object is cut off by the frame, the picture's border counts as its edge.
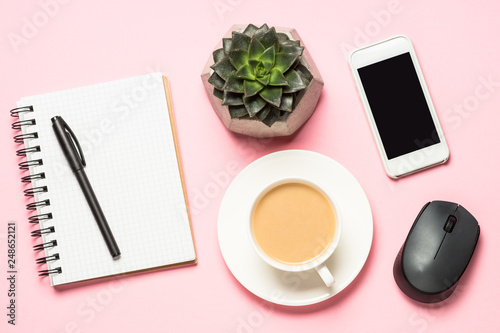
(450, 223)
(429, 225)
(461, 242)
(418, 255)
(448, 264)
(442, 209)
(457, 248)
(424, 240)
(467, 221)
(426, 235)
(454, 256)
(419, 215)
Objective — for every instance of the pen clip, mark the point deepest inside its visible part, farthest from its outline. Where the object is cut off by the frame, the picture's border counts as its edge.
(74, 140)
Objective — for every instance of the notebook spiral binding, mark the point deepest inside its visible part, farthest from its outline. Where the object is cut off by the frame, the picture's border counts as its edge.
(35, 191)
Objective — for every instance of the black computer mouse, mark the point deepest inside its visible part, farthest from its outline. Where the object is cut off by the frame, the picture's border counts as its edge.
(436, 252)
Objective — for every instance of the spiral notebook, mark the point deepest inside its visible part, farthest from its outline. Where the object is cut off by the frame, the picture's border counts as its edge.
(127, 133)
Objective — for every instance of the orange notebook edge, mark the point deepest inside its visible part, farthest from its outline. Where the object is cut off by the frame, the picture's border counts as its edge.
(168, 95)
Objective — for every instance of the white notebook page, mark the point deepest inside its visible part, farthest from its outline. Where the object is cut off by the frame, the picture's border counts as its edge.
(124, 130)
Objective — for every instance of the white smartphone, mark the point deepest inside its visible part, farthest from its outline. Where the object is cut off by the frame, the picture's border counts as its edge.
(398, 106)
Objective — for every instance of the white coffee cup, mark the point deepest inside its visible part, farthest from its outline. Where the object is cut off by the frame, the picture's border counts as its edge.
(317, 262)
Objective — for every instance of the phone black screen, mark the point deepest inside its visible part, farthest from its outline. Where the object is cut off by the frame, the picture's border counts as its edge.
(398, 105)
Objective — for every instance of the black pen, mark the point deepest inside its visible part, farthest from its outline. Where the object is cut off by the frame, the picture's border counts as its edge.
(73, 152)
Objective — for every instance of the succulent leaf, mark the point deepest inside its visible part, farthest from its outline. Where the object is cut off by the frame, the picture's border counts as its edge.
(234, 84)
(291, 42)
(218, 55)
(272, 117)
(237, 111)
(226, 45)
(250, 30)
(245, 72)
(282, 37)
(264, 80)
(218, 93)
(286, 102)
(223, 68)
(268, 65)
(294, 81)
(272, 95)
(238, 57)
(303, 77)
(259, 32)
(255, 49)
(304, 72)
(269, 38)
(252, 87)
(216, 81)
(254, 104)
(240, 41)
(292, 49)
(268, 56)
(231, 98)
(264, 112)
(284, 61)
(277, 78)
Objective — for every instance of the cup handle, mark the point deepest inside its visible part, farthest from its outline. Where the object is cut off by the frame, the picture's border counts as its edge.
(325, 274)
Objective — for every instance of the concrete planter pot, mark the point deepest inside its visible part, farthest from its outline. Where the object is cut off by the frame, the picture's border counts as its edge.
(307, 99)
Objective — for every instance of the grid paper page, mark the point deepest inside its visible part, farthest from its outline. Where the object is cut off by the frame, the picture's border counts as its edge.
(124, 130)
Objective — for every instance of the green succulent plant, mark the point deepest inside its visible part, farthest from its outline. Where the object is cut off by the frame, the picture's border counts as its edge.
(259, 74)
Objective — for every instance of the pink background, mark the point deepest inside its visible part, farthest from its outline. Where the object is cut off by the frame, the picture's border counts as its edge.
(84, 42)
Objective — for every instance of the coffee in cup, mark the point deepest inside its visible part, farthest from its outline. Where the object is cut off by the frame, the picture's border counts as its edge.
(295, 226)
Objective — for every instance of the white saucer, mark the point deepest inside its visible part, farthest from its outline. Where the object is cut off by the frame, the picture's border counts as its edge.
(285, 288)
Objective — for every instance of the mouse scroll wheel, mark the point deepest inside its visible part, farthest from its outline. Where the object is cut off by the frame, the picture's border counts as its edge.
(450, 223)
